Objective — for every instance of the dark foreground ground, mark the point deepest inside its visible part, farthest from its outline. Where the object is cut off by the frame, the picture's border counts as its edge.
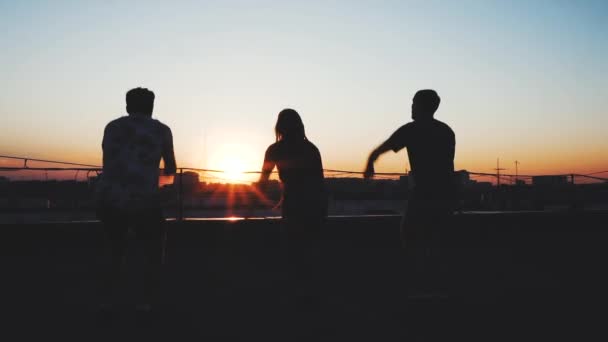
(511, 277)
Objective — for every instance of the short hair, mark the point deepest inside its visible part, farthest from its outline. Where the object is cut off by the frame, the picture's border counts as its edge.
(140, 100)
(427, 99)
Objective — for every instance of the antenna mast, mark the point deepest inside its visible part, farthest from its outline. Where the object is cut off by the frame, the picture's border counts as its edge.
(498, 169)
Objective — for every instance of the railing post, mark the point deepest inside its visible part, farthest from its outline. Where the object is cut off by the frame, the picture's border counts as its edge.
(573, 195)
(180, 195)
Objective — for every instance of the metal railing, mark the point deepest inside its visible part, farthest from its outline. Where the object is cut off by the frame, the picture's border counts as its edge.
(179, 189)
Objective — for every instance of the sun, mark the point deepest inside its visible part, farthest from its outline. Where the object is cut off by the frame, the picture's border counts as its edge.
(237, 163)
(233, 170)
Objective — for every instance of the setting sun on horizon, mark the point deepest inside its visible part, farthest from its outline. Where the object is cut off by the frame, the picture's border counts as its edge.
(236, 161)
(233, 170)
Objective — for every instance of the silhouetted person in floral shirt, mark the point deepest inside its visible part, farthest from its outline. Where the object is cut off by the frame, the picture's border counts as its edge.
(128, 194)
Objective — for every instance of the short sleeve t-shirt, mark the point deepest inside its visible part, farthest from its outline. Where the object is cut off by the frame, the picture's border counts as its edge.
(430, 148)
(132, 149)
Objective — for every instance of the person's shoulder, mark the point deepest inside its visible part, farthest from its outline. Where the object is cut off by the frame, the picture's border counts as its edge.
(444, 126)
(117, 122)
(163, 127)
(405, 128)
(272, 148)
(155, 126)
(311, 146)
(272, 151)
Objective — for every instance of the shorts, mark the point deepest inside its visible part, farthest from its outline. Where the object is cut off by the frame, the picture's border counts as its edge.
(424, 221)
(146, 223)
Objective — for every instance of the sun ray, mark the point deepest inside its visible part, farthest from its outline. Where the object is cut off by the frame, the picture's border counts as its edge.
(230, 201)
(261, 196)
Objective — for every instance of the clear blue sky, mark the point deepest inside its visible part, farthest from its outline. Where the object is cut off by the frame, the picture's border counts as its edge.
(519, 80)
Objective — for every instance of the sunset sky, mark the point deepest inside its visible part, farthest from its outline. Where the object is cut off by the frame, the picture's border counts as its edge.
(519, 80)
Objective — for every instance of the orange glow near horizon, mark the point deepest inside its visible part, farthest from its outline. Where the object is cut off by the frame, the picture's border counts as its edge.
(235, 160)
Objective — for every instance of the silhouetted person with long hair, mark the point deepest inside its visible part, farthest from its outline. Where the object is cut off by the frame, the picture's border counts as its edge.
(301, 171)
(128, 194)
(304, 202)
(430, 146)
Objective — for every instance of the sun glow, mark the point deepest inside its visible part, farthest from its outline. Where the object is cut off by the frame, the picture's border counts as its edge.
(233, 170)
(235, 161)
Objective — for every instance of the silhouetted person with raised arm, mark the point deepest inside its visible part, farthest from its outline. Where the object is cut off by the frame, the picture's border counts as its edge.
(128, 194)
(430, 147)
(304, 202)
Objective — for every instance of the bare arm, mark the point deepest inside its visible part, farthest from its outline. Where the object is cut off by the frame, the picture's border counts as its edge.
(397, 141)
(168, 154)
(109, 149)
(383, 148)
(105, 144)
(267, 168)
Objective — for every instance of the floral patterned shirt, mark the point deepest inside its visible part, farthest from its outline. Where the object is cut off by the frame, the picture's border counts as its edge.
(133, 146)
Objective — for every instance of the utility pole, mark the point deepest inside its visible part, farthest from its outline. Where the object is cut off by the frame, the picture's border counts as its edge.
(516, 173)
(498, 169)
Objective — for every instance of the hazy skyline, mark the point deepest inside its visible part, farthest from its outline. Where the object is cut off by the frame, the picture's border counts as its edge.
(518, 80)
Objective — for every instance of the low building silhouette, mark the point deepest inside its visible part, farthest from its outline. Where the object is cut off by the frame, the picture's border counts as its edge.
(549, 180)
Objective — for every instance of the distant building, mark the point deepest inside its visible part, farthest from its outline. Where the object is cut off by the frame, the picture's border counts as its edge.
(484, 185)
(190, 181)
(4, 179)
(549, 180)
(359, 188)
(462, 177)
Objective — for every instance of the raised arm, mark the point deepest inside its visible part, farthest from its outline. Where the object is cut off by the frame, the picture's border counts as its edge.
(168, 154)
(377, 152)
(396, 142)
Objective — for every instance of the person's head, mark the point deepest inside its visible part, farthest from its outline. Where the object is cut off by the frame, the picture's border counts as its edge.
(424, 104)
(140, 101)
(289, 126)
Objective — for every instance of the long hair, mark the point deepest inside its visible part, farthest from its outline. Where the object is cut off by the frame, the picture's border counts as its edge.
(289, 126)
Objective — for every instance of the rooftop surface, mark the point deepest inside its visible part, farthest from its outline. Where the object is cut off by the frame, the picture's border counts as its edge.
(525, 276)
